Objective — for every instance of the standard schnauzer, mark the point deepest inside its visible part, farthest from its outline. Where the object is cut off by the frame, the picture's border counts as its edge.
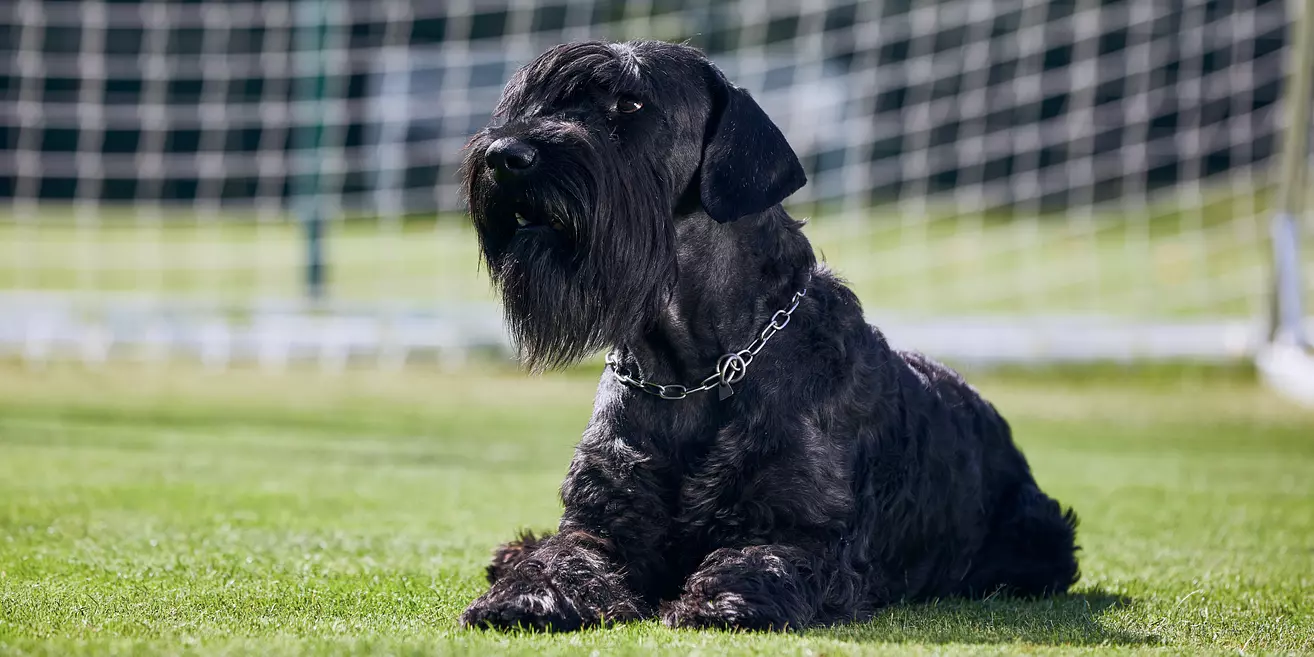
(627, 196)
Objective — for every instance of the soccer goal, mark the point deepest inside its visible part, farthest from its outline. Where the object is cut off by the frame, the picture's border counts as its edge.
(1006, 181)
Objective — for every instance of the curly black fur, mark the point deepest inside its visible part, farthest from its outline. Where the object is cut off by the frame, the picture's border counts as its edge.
(842, 475)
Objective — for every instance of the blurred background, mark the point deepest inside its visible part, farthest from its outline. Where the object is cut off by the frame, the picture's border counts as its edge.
(274, 181)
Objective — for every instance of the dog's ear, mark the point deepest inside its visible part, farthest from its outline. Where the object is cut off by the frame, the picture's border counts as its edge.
(748, 165)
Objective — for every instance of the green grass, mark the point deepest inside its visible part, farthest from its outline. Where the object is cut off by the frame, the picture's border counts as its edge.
(1209, 259)
(233, 259)
(150, 511)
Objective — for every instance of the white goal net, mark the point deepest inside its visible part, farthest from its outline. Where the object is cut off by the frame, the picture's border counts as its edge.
(1002, 180)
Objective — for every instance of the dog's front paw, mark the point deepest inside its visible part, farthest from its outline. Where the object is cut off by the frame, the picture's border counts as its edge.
(512, 604)
(720, 611)
(755, 588)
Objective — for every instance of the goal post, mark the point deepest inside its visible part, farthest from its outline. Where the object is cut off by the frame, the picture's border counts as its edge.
(1285, 360)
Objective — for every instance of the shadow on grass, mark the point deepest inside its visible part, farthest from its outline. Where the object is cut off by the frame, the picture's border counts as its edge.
(1073, 619)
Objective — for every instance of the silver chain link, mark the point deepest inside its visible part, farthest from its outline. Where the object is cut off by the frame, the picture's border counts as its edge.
(730, 368)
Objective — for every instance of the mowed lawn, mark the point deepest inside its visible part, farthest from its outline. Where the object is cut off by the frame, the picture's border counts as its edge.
(166, 511)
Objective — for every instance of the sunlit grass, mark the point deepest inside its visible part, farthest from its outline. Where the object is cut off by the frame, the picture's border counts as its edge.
(162, 511)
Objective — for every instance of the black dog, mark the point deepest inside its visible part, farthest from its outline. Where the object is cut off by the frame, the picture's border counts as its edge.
(628, 196)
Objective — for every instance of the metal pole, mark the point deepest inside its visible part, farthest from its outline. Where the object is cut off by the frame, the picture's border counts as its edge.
(1288, 316)
(312, 86)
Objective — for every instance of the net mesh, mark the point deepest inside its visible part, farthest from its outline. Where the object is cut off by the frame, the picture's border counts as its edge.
(1005, 179)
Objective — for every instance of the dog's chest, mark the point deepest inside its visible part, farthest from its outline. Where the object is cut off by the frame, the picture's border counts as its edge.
(748, 487)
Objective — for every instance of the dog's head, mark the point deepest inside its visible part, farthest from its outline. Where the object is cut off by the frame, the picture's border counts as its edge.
(595, 151)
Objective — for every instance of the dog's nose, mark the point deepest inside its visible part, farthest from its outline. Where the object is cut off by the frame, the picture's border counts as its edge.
(510, 155)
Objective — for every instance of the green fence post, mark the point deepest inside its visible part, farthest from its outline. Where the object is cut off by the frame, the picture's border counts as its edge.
(311, 89)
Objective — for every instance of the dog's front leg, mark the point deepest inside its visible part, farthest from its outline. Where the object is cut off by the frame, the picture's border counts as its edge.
(763, 587)
(601, 564)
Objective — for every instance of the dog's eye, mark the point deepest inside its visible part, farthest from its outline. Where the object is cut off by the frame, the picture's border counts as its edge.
(628, 105)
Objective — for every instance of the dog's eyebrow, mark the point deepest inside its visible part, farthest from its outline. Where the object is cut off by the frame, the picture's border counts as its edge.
(630, 62)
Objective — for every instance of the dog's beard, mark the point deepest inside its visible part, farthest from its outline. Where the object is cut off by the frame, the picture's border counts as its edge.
(596, 282)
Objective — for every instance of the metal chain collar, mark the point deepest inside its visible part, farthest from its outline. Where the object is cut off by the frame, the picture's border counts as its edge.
(730, 368)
